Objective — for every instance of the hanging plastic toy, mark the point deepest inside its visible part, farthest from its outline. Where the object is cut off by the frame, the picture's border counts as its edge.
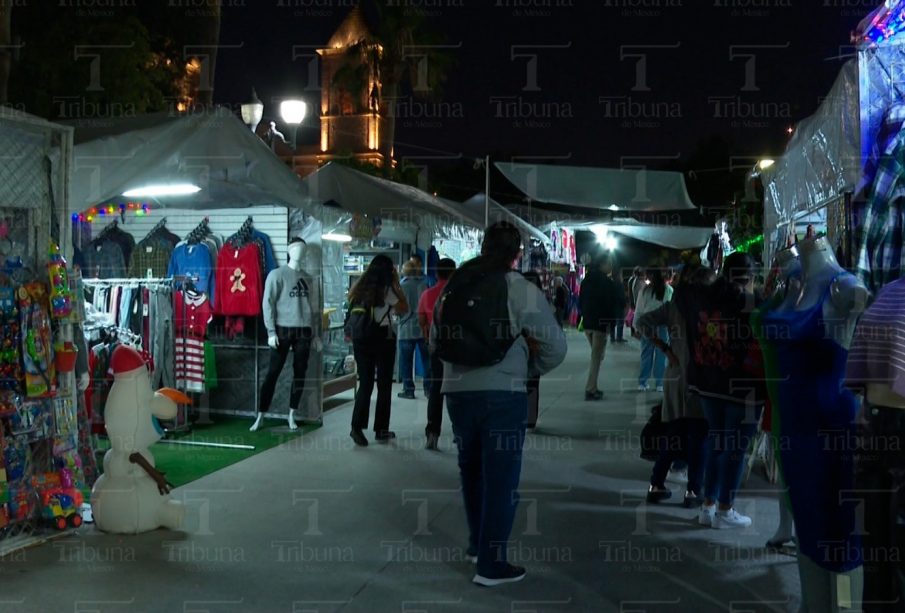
(60, 297)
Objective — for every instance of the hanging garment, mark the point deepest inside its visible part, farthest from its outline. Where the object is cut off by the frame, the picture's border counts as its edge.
(881, 257)
(877, 354)
(193, 262)
(103, 260)
(239, 283)
(151, 257)
(814, 416)
(270, 261)
(192, 314)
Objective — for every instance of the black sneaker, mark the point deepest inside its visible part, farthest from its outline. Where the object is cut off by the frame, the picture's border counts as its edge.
(510, 575)
(432, 440)
(657, 494)
(589, 396)
(386, 435)
(359, 438)
(406, 395)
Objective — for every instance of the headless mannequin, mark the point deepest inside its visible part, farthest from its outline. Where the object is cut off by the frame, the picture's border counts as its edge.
(296, 257)
(789, 287)
(823, 590)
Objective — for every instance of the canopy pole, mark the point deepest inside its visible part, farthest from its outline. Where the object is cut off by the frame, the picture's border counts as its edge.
(486, 191)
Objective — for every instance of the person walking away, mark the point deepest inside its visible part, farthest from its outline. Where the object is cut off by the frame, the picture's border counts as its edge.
(560, 300)
(681, 411)
(635, 284)
(726, 371)
(601, 300)
(483, 322)
(652, 359)
(411, 338)
(426, 305)
(376, 293)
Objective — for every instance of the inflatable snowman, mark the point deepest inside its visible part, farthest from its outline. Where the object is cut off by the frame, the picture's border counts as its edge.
(132, 496)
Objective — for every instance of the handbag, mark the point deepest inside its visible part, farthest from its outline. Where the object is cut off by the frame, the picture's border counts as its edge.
(630, 318)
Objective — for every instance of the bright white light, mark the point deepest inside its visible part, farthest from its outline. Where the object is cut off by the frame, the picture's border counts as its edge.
(765, 164)
(293, 111)
(339, 238)
(611, 243)
(601, 232)
(168, 189)
(613, 207)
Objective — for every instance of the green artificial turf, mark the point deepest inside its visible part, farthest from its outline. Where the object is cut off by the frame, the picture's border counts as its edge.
(186, 463)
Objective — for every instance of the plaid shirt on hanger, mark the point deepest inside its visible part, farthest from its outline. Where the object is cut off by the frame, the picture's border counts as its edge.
(880, 254)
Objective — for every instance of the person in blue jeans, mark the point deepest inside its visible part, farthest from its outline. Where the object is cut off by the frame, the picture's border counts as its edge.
(411, 338)
(488, 406)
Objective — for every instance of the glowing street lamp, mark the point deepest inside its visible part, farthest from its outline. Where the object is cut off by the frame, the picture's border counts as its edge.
(293, 112)
(252, 111)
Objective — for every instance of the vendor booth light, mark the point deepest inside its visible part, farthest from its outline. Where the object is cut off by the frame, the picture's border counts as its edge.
(339, 238)
(613, 207)
(167, 189)
(611, 243)
(765, 164)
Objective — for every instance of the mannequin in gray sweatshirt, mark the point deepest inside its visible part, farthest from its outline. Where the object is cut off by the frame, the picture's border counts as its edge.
(289, 319)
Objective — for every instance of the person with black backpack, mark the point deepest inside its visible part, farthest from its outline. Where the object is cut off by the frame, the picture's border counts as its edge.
(485, 322)
(368, 326)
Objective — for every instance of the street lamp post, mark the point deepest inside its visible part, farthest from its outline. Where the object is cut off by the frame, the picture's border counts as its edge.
(252, 111)
(293, 113)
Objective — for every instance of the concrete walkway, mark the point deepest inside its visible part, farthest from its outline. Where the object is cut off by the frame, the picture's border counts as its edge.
(317, 525)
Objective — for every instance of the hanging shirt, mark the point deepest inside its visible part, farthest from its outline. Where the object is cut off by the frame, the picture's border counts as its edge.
(877, 353)
(192, 313)
(103, 260)
(194, 262)
(270, 261)
(239, 283)
(151, 258)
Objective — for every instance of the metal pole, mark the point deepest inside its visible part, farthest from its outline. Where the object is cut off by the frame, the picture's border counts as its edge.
(486, 191)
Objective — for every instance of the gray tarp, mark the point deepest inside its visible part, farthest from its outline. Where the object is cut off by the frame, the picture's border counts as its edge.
(671, 237)
(636, 190)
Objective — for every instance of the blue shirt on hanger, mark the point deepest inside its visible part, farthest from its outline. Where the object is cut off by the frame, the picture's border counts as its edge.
(193, 261)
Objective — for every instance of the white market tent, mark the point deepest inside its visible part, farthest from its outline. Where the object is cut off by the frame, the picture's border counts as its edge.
(671, 237)
(475, 206)
(420, 216)
(635, 190)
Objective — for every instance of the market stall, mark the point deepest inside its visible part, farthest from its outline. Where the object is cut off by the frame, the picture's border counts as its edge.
(204, 181)
(46, 458)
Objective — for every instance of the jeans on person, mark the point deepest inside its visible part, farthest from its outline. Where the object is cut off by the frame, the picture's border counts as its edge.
(652, 359)
(407, 350)
(299, 340)
(597, 339)
(560, 314)
(732, 428)
(434, 397)
(686, 440)
(374, 358)
(489, 427)
(533, 385)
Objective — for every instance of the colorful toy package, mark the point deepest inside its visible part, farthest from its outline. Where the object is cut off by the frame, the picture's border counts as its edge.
(40, 375)
(10, 342)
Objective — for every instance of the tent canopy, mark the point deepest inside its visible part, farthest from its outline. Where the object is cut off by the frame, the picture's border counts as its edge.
(671, 237)
(600, 188)
(358, 192)
(214, 151)
(475, 205)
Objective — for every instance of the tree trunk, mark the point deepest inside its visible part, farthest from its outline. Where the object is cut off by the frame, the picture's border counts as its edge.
(6, 50)
(208, 42)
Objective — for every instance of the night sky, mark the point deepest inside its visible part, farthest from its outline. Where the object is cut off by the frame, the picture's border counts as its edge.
(593, 82)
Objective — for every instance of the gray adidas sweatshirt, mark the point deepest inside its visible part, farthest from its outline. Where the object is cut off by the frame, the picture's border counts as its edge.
(529, 312)
(287, 299)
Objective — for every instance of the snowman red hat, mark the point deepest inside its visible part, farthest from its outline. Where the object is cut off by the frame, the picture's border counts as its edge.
(125, 360)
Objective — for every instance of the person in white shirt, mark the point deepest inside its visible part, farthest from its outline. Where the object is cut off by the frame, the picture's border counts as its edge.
(655, 294)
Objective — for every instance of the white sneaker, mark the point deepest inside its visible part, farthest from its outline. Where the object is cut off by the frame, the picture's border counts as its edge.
(643, 388)
(725, 520)
(659, 389)
(705, 517)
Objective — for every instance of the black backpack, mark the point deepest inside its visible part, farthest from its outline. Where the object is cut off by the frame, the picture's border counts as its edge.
(360, 325)
(472, 317)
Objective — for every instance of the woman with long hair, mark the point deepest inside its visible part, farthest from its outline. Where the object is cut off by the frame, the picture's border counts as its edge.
(653, 360)
(681, 411)
(377, 290)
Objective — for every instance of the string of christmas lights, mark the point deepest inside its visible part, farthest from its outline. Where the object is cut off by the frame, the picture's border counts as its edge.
(141, 209)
